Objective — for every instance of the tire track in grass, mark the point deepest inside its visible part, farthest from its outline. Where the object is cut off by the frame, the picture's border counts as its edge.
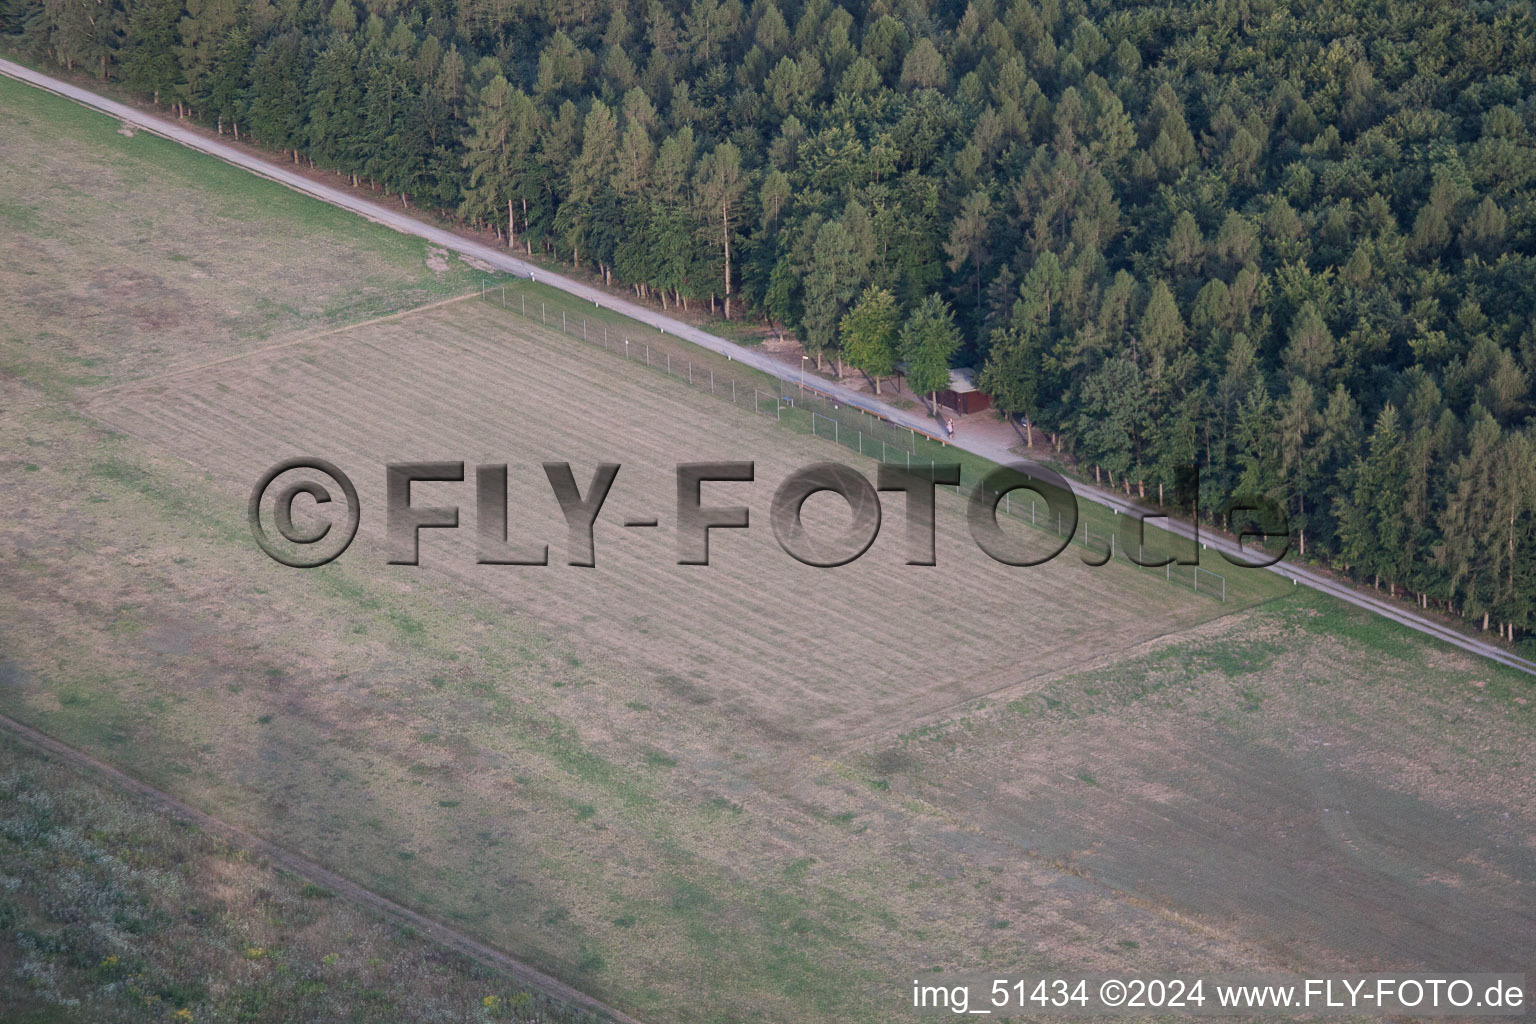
(310, 871)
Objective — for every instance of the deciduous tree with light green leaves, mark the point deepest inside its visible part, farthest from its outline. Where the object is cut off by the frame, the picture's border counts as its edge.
(829, 286)
(1011, 375)
(869, 334)
(929, 339)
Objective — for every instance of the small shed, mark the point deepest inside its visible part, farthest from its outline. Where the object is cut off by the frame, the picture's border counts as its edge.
(962, 396)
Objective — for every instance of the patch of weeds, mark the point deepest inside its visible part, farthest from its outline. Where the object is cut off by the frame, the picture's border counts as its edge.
(1238, 661)
(348, 589)
(800, 925)
(686, 690)
(893, 761)
(690, 897)
(408, 626)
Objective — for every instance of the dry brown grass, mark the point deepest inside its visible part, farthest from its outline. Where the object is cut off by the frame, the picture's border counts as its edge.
(127, 256)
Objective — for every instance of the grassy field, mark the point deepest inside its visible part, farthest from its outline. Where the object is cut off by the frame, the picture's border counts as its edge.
(747, 791)
(127, 255)
(114, 911)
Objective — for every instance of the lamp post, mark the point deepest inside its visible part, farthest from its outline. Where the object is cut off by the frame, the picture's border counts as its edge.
(802, 372)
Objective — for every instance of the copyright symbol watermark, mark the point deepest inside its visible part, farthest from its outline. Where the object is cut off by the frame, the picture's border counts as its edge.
(1044, 501)
(313, 545)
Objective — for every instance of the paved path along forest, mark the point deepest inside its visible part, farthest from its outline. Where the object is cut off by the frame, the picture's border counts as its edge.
(401, 220)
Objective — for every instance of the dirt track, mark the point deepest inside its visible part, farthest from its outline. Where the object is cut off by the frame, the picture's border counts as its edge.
(313, 872)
